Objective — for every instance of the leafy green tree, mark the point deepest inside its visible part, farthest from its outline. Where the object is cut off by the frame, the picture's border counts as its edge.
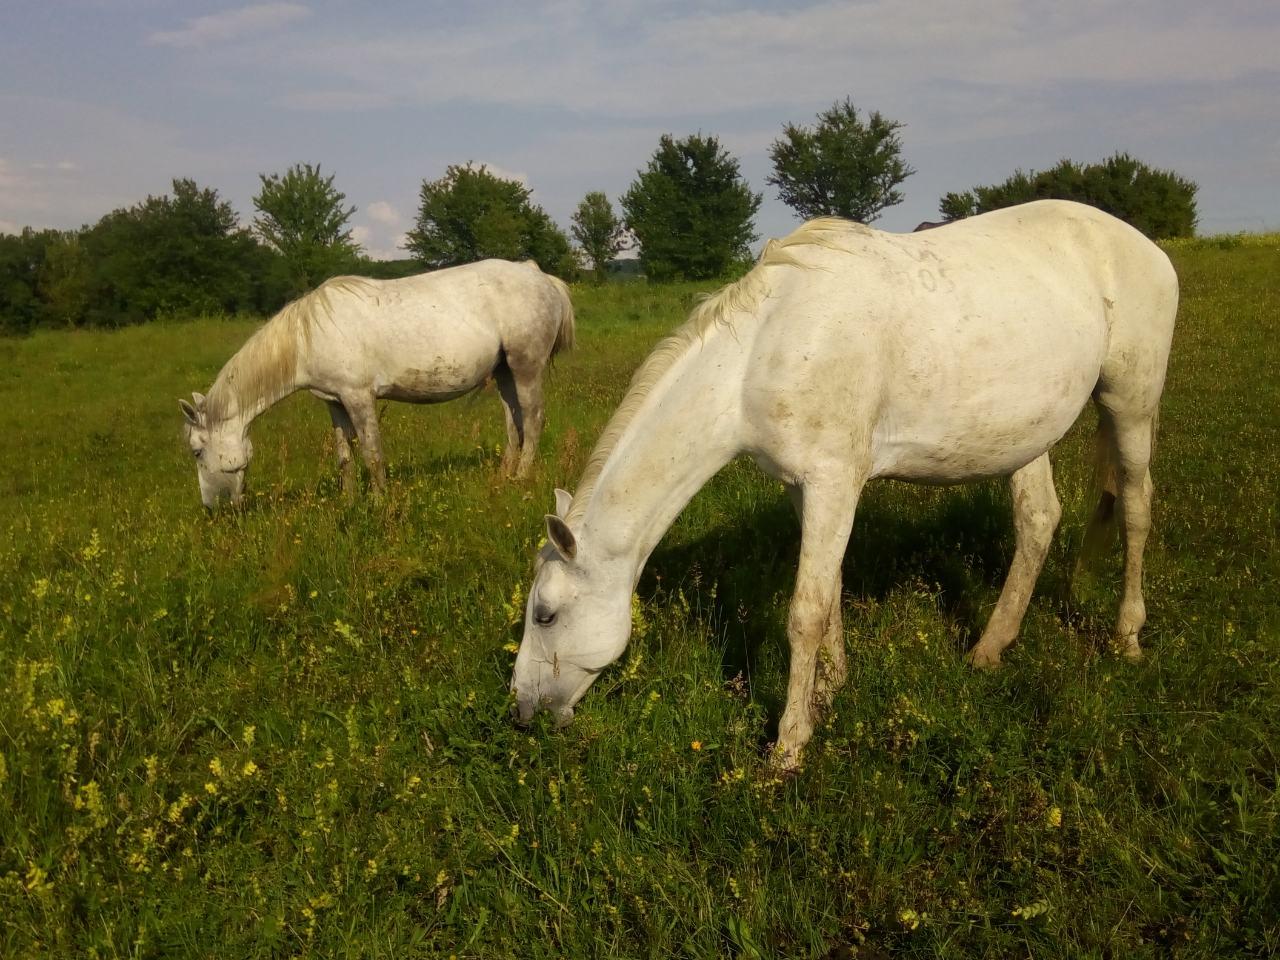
(302, 217)
(470, 214)
(65, 280)
(21, 259)
(598, 231)
(690, 210)
(1158, 202)
(180, 254)
(842, 167)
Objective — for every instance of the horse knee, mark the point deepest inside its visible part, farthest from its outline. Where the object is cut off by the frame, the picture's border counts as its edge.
(808, 621)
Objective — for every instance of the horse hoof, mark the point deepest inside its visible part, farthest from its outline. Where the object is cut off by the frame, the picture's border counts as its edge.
(784, 762)
(980, 659)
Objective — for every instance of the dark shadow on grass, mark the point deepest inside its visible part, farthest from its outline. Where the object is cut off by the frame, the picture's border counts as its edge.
(957, 541)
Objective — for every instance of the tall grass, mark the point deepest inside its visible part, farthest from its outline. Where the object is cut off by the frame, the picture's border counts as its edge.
(283, 731)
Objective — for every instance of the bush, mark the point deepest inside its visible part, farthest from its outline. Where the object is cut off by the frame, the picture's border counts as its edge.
(1158, 202)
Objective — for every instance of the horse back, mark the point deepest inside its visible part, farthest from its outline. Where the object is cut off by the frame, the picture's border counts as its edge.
(953, 354)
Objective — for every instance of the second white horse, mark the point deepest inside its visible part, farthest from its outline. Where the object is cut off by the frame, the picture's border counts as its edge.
(353, 341)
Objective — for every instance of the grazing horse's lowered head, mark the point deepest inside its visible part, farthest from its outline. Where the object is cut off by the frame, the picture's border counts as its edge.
(222, 452)
(577, 622)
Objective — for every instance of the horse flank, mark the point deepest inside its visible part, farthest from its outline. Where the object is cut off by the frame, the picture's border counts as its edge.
(718, 309)
(267, 364)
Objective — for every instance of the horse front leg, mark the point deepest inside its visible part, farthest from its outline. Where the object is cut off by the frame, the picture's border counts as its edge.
(1036, 513)
(814, 623)
(363, 412)
(343, 433)
(832, 661)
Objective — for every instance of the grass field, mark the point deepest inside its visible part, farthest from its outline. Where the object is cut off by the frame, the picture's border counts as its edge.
(283, 731)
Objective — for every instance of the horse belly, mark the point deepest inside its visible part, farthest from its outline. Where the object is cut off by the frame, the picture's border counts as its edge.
(431, 371)
(987, 408)
(436, 380)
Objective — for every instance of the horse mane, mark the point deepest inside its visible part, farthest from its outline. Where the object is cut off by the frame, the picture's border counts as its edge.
(716, 310)
(267, 363)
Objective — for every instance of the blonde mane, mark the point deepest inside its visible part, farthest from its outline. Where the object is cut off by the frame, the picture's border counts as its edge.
(718, 309)
(266, 365)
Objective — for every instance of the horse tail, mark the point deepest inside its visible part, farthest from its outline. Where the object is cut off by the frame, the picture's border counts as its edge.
(565, 334)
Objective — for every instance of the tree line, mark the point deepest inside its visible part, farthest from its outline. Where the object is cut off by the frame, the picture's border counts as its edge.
(689, 214)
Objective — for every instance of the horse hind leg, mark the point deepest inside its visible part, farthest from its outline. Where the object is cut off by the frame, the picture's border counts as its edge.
(528, 381)
(514, 417)
(1134, 436)
(1128, 400)
(1036, 513)
(1100, 531)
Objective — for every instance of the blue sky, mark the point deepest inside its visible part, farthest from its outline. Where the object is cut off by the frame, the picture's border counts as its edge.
(105, 101)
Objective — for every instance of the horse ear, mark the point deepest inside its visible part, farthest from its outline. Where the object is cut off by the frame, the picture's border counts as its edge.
(561, 537)
(563, 499)
(190, 412)
(199, 398)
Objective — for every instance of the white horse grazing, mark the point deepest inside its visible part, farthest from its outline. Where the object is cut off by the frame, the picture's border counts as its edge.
(847, 354)
(353, 341)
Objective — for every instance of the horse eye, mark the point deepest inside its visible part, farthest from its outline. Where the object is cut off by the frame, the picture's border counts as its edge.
(543, 616)
(198, 453)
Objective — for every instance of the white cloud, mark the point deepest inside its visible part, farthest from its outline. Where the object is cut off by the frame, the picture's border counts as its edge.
(672, 61)
(231, 25)
(8, 226)
(382, 212)
(504, 174)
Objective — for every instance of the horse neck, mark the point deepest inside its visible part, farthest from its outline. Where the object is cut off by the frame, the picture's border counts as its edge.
(684, 432)
(261, 374)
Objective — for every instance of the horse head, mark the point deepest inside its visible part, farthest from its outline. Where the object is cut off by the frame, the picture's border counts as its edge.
(222, 451)
(577, 622)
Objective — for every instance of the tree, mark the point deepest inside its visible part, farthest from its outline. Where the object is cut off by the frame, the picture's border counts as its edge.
(842, 167)
(690, 210)
(183, 254)
(65, 280)
(470, 214)
(22, 257)
(301, 216)
(599, 233)
(1158, 202)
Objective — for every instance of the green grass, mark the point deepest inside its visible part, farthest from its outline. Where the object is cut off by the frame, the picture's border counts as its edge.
(283, 731)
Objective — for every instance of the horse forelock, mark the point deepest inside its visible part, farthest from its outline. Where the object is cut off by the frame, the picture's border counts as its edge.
(718, 309)
(268, 361)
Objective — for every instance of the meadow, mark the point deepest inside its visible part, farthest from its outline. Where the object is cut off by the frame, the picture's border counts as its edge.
(283, 730)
